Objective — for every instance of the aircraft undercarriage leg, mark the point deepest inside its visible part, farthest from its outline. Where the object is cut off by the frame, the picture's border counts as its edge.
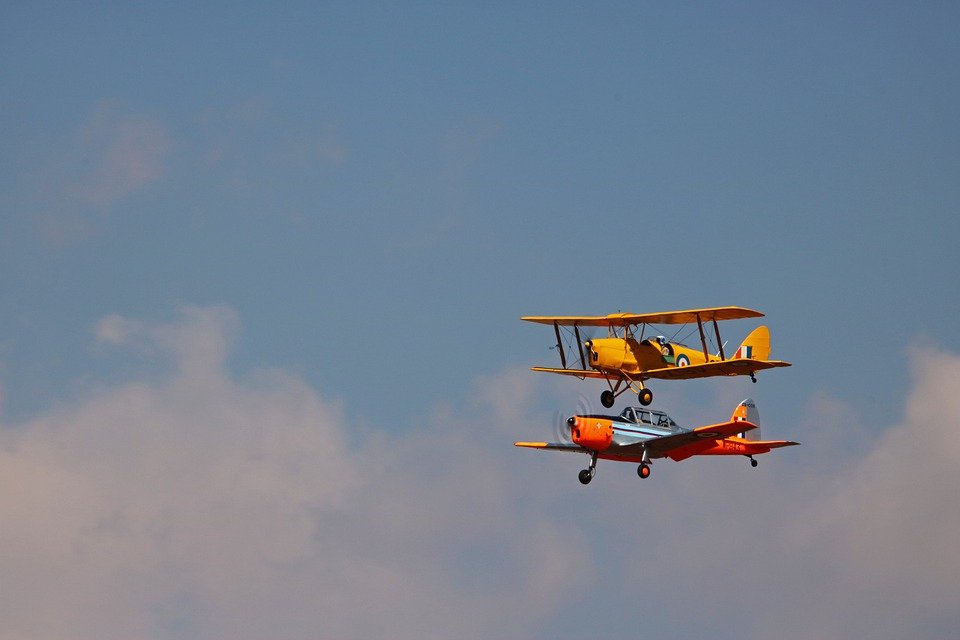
(587, 474)
(644, 395)
(753, 462)
(644, 469)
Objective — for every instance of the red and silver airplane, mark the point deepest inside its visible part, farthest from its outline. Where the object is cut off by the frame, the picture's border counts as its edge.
(640, 435)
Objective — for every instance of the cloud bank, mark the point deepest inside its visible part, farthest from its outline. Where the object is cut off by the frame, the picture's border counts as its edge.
(205, 504)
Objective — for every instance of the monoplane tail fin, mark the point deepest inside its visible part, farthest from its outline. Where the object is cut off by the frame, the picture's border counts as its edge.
(747, 411)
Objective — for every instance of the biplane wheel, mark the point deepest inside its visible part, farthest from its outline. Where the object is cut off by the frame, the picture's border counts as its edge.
(643, 470)
(606, 398)
(586, 476)
(645, 396)
(753, 462)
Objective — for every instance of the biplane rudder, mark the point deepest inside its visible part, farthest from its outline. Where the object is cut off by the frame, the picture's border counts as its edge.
(747, 411)
(756, 346)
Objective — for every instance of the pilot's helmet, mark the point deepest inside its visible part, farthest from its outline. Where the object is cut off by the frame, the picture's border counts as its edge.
(662, 339)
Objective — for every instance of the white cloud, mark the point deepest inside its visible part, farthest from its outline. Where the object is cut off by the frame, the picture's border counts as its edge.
(203, 505)
(206, 506)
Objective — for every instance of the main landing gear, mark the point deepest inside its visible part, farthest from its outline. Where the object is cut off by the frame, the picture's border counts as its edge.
(644, 395)
(606, 399)
(643, 470)
(587, 474)
(753, 463)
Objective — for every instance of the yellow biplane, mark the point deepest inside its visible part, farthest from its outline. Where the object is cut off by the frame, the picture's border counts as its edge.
(625, 358)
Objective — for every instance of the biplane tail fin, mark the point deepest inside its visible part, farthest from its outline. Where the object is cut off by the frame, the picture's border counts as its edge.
(747, 411)
(756, 346)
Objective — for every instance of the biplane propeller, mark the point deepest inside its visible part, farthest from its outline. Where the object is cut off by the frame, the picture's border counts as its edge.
(625, 358)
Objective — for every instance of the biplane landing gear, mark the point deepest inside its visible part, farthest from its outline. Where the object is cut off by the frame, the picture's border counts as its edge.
(643, 470)
(753, 462)
(587, 474)
(753, 378)
(606, 399)
(645, 396)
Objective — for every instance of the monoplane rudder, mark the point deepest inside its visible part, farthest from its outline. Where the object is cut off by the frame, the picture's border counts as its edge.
(747, 411)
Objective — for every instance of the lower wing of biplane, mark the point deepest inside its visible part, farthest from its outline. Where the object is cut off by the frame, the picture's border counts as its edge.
(609, 438)
(624, 359)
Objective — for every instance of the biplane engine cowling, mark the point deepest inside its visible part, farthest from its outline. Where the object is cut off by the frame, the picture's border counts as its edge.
(606, 353)
(595, 434)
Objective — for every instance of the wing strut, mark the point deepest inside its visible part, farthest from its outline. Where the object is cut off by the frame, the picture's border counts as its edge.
(716, 330)
(703, 339)
(583, 362)
(563, 357)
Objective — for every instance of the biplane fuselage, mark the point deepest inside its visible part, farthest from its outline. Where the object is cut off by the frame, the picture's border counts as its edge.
(634, 357)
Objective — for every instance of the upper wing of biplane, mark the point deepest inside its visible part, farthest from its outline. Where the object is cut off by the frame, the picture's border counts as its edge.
(733, 367)
(666, 317)
(662, 446)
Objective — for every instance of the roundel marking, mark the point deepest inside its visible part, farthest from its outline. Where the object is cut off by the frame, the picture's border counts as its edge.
(708, 434)
(682, 360)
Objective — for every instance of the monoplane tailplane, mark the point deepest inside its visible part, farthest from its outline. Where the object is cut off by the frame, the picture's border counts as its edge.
(756, 346)
(747, 411)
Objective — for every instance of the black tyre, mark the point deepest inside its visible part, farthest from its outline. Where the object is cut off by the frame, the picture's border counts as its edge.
(585, 476)
(645, 396)
(607, 398)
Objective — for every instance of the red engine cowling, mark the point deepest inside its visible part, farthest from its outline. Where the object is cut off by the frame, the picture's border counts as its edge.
(595, 434)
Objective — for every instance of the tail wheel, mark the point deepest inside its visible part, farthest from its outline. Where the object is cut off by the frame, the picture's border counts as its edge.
(645, 396)
(606, 399)
(586, 476)
(753, 462)
(643, 470)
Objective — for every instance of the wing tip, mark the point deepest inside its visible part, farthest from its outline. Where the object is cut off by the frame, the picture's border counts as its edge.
(531, 445)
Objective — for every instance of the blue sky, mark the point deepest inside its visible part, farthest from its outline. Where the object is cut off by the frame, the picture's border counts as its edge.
(363, 198)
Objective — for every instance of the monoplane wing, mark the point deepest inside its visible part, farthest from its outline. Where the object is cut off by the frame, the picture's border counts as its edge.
(666, 317)
(733, 367)
(553, 446)
(686, 443)
(579, 373)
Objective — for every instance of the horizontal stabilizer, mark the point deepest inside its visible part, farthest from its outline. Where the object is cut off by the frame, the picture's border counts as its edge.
(776, 444)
